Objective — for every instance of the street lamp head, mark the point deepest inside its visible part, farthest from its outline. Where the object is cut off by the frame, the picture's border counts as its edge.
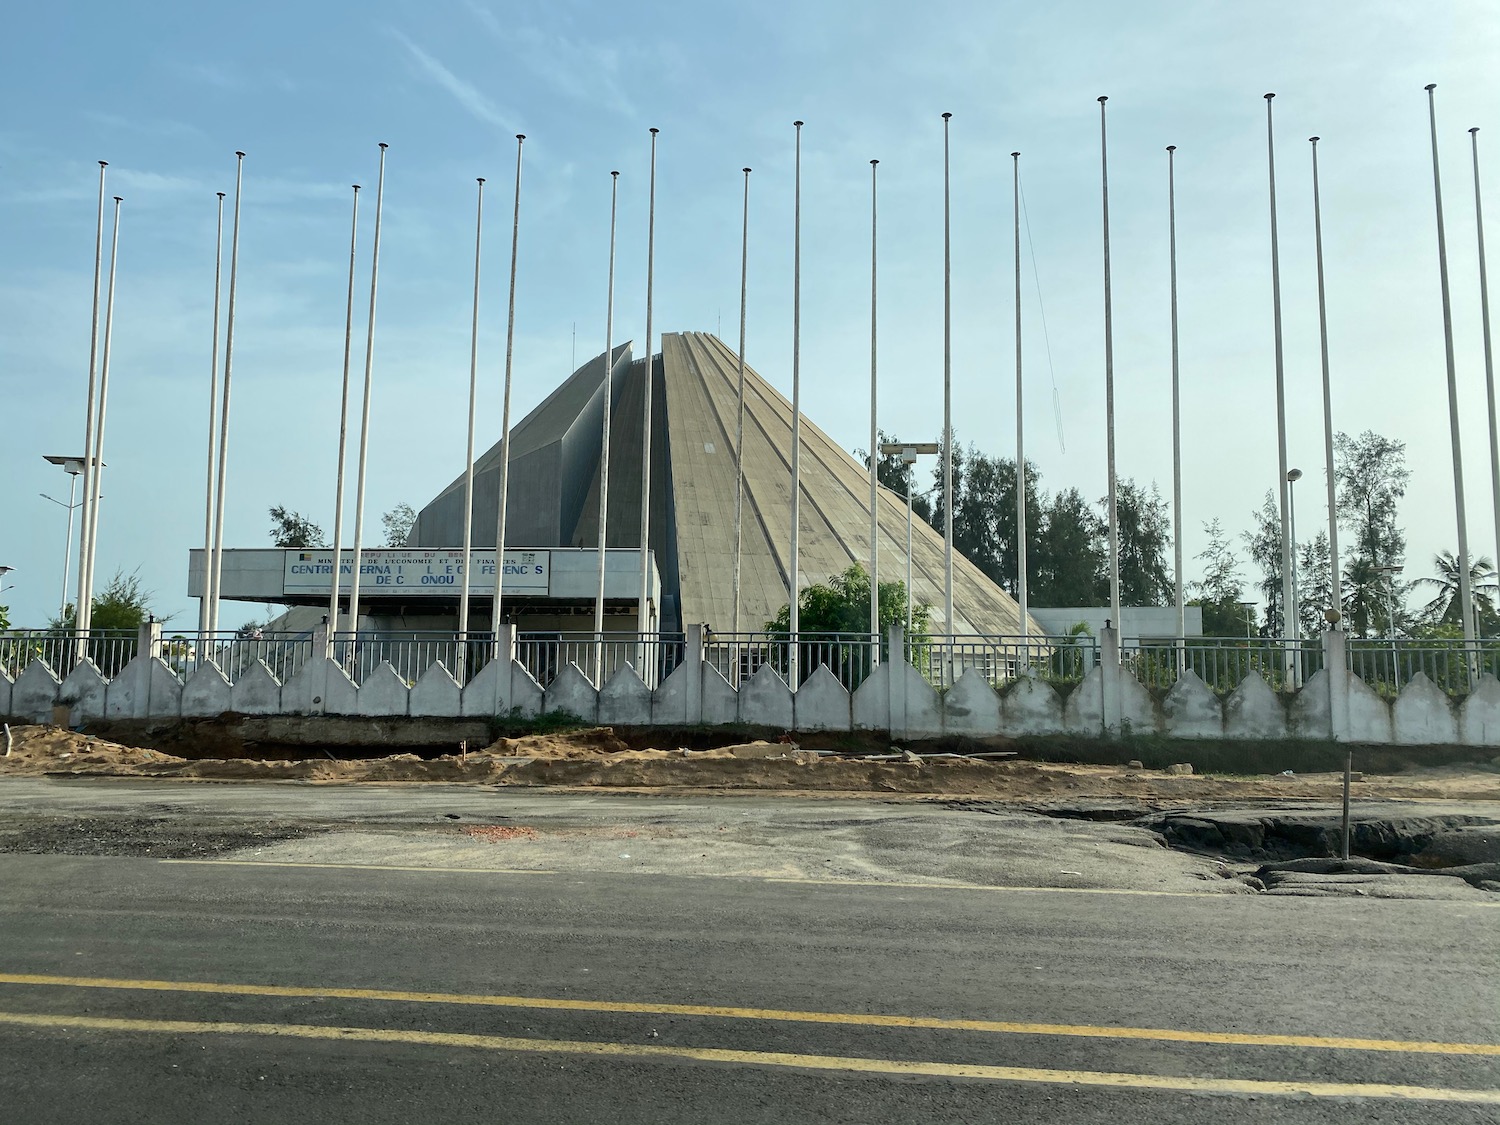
(70, 465)
(1294, 475)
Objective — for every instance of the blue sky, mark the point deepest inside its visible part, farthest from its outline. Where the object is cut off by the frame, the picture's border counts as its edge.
(166, 92)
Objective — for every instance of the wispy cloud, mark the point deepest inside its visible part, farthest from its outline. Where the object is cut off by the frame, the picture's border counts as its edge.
(221, 77)
(147, 126)
(585, 71)
(465, 93)
(154, 183)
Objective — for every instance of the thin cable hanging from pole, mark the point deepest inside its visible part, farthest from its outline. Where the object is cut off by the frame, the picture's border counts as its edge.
(1022, 598)
(82, 610)
(510, 347)
(213, 412)
(234, 269)
(1109, 386)
(793, 583)
(643, 616)
(1041, 308)
(1177, 594)
(948, 623)
(364, 418)
(1465, 593)
(1335, 574)
(1489, 363)
(1289, 615)
(98, 451)
(338, 497)
(466, 565)
(608, 391)
(739, 426)
(874, 430)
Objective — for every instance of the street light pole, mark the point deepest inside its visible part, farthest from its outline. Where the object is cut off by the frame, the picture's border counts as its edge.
(73, 466)
(1249, 608)
(908, 452)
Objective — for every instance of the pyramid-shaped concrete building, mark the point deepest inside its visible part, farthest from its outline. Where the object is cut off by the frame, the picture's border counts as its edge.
(554, 493)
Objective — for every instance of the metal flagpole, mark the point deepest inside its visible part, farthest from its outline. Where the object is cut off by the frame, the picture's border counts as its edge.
(1466, 607)
(1489, 364)
(1288, 610)
(98, 452)
(793, 583)
(1109, 389)
(234, 264)
(364, 418)
(947, 388)
(1021, 593)
(81, 610)
(643, 617)
(739, 426)
(609, 366)
(1176, 416)
(1336, 577)
(510, 344)
(465, 566)
(338, 499)
(874, 436)
(213, 413)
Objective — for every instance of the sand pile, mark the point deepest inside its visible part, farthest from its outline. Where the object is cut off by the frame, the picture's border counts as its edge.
(598, 758)
(44, 749)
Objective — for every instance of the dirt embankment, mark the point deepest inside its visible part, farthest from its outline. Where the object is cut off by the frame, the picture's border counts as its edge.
(598, 757)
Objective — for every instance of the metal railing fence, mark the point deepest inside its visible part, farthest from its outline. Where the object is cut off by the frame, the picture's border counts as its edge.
(61, 649)
(1000, 658)
(850, 657)
(410, 653)
(1223, 662)
(1452, 664)
(599, 656)
(235, 652)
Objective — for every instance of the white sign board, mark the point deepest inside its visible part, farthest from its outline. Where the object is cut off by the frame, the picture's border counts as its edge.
(416, 572)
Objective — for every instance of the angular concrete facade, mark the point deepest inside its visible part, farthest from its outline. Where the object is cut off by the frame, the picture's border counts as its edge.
(554, 493)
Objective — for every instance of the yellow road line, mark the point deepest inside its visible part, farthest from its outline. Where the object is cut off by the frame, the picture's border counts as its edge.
(859, 1019)
(358, 866)
(764, 1058)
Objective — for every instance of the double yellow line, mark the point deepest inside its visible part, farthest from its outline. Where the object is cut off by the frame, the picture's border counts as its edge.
(761, 1058)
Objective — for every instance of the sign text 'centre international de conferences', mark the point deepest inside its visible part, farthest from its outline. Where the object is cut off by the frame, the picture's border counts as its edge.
(416, 572)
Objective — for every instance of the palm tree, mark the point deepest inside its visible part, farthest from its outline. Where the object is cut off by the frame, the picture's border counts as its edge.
(1365, 598)
(1444, 609)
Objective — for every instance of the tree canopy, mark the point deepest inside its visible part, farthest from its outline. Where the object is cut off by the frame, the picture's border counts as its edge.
(397, 524)
(292, 529)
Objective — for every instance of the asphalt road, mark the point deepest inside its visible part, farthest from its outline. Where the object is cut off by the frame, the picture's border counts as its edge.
(329, 992)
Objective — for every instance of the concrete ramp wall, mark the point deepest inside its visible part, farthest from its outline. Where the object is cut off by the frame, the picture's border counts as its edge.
(895, 697)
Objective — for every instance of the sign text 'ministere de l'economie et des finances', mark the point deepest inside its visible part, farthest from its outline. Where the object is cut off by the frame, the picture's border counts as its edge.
(417, 572)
